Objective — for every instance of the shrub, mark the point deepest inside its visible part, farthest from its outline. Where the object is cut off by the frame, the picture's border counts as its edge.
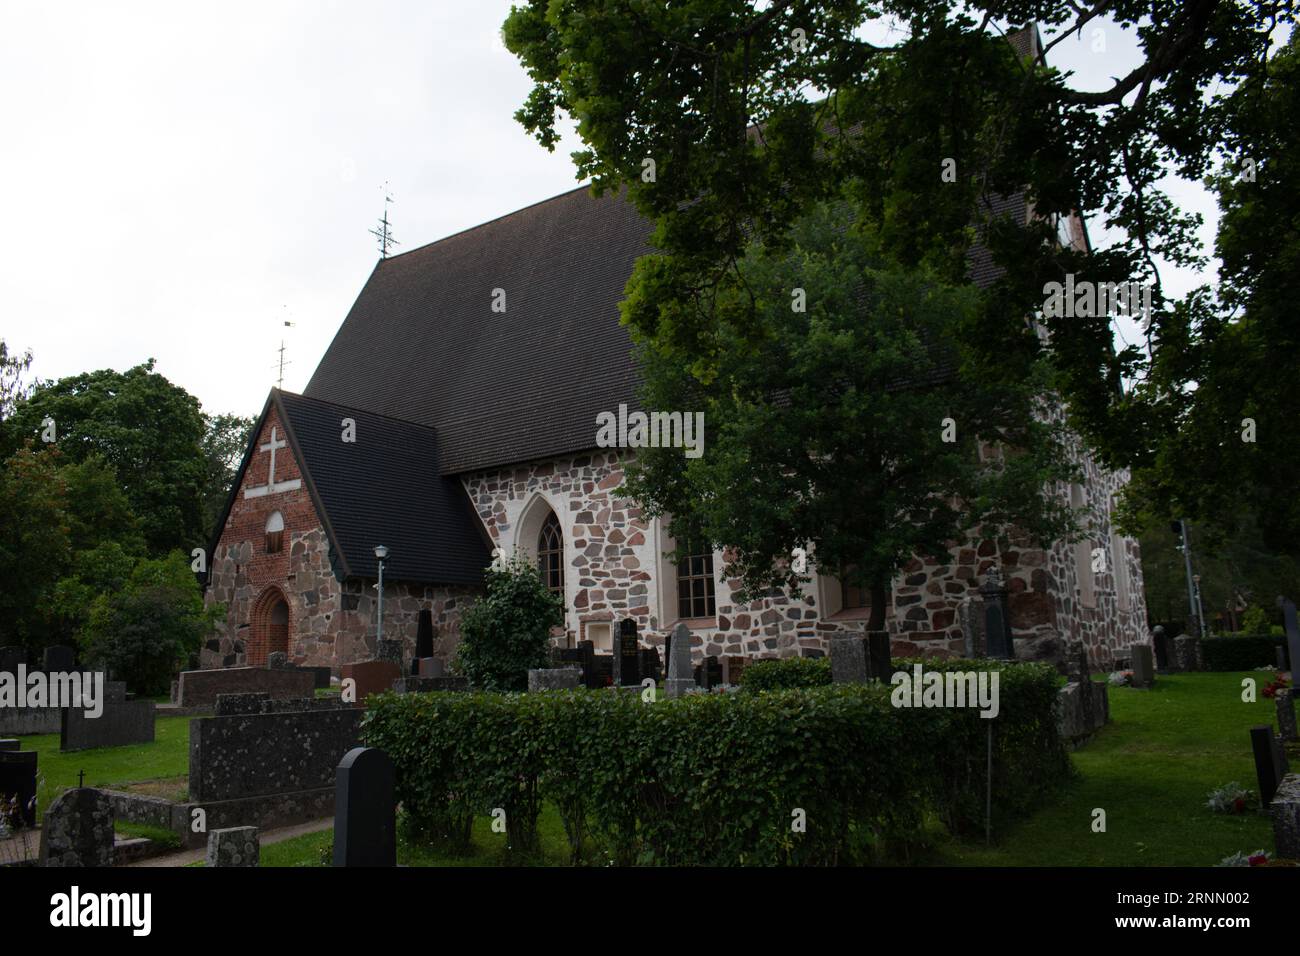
(1240, 653)
(717, 779)
(1255, 620)
(508, 630)
(784, 673)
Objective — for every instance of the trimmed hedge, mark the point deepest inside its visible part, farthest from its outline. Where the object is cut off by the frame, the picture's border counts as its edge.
(715, 779)
(786, 672)
(1241, 653)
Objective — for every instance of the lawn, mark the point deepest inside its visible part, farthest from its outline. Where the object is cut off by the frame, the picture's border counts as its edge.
(1150, 770)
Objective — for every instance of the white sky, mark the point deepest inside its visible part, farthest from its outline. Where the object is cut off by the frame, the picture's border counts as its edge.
(177, 179)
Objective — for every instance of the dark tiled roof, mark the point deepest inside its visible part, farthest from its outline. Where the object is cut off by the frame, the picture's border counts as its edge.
(386, 488)
(422, 343)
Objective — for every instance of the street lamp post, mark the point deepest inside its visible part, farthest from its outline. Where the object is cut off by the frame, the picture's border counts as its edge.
(381, 553)
(1180, 528)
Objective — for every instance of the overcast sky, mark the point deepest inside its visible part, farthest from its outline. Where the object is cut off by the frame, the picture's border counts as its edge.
(178, 179)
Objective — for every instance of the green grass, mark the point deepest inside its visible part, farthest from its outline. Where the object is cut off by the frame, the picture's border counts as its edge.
(111, 767)
(1150, 769)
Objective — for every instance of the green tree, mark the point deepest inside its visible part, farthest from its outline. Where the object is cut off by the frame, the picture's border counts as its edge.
(847, 429)
(715, 94)
(507, 630)
(35, 542)
(224, 441)
(147, 429)
(149, 627)
(12, 369)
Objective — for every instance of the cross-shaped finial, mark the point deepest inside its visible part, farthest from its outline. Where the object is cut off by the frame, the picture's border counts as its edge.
(81, 778)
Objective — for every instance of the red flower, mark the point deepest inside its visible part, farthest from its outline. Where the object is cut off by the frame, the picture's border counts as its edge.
(1259, 859)
(1238, 805)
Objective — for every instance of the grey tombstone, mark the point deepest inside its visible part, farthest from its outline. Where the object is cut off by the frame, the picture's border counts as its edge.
(10, 743)
(432, 667)
(234, 846)
(1160, 641)
(120, 724)
(848, 659)
(997, 617)
(277, 660)
(650, 664)
(1144, 670)
(60, 659)
(78, 830)
(1292, 631)
(627, 654)
(1187, 653)
(1076, 662)
(554, 678)
(1279, 657)
(1285, 811)
(680, 674)
(1285, 704)
(18, 780)
(971, 618)
(365, 809)
(1267, 763)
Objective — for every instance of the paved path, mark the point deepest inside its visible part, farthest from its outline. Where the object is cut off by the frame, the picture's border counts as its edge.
(186, 857)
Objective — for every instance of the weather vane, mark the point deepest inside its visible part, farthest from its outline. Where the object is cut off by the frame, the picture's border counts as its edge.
(383, 233)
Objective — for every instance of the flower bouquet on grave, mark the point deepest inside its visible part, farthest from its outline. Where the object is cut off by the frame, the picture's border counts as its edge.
(1258, 858)
(1230, 798)
(1121, 678)
(1276, 684)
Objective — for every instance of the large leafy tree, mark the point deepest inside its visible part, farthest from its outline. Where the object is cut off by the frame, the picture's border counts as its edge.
(224, 440)
(35, 542)
(751, 112)
(148, 430)
(836, 419)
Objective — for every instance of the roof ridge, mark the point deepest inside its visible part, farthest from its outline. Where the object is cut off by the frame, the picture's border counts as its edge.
(481, 225)
(358, 408)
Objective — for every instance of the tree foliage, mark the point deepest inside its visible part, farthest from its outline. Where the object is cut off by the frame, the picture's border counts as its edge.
(508, 629)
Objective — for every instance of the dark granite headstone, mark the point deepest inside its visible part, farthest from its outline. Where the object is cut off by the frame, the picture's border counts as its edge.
(708, 673)
(1144, 670)
(78, 830)
(10, 657)
(424, 637)
(553, 678)
(1267, 768)
(233, 846)
(230, 705)
(848, 659)
(1160, 641)
(60, 659)
(18, 778)
(627, 654)
(680, 673)
(277, 660)
(997, 617)
(365, 809)
(650, 664)
(119, 725)
(10, 743)
(1285, 704)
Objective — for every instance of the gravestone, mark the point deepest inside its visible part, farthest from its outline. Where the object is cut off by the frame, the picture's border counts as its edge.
(1269, 761)
(78, 830)
(11, 657)
(277, 661)
(1279, 657)
(848, 659)
(432, 667)
(371, 677)
(650, 664)
(389, 650)
(553, 678)
(1285, 705)
(708, 673)
(424, 638)
(971, 619)
(627, 655)
(10, 743)
(880, 665)
(120, 724)
(60, 659)
(232, 705)
(18, 779)
(233, 846)
(1144, 671)
(997, 617)
(1289, 625)
(1285, 811)
(1160, 641)
(680, 676)
(1077, 668)
(365, 809)
(1187, 653)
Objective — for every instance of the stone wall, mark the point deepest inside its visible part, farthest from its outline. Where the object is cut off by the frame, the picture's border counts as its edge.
(614, 570)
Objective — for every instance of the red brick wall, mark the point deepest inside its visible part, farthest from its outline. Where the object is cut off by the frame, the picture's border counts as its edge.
(243, 544)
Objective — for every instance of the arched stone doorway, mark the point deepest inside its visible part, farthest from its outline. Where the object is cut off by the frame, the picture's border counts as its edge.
(270, 626)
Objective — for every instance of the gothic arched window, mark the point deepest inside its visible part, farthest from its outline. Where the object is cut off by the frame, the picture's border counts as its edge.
(550, 554)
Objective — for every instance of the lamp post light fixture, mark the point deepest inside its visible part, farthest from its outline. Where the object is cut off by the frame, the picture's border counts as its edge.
(381, 554)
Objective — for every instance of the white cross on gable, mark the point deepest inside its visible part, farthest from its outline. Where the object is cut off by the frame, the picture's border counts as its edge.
(272, 486)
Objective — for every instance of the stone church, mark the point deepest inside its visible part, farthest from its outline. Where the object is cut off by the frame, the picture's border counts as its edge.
(456, 412)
